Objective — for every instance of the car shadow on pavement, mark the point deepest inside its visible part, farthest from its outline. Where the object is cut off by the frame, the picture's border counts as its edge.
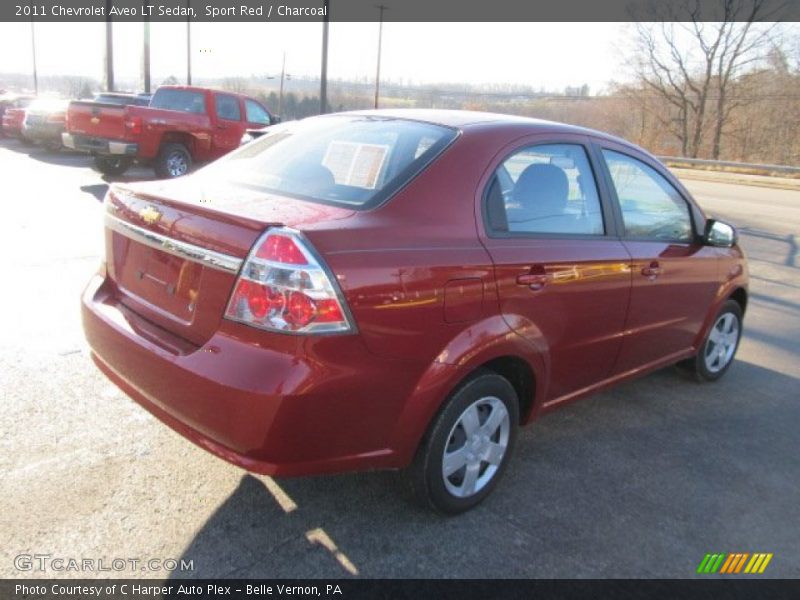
(639, 481)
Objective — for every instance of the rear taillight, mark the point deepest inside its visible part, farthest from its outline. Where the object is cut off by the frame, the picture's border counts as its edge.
(284, 286)
(134, 125)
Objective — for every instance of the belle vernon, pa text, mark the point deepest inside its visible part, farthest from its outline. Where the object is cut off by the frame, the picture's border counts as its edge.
(165, 10)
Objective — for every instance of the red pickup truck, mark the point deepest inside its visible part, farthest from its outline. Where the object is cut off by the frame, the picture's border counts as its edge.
(181, 125)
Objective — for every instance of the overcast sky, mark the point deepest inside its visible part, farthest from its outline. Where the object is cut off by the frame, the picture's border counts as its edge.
(542, 55)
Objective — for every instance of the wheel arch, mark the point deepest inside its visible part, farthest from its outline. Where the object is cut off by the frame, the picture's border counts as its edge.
(741, 297)
(501, 351)
(176, 137)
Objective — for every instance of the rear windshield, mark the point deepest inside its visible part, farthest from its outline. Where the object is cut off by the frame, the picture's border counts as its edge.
(356, 161)
(182, 100)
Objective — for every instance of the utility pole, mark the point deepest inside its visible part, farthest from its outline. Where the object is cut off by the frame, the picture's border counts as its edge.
(381, 8)
(323, 78)
(146, 56)
(188, 45)
(33, 53)
(280, 94)
(109, 49)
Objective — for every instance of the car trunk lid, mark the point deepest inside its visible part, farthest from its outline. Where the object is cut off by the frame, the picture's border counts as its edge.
(174, 248)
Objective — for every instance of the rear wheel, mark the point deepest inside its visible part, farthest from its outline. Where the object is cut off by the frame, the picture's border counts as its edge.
(173, 160)
(468, 445)
(719, 347)
(112, 165)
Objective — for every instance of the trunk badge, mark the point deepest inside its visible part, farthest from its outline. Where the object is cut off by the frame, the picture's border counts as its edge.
(95, 120)
(150, 215)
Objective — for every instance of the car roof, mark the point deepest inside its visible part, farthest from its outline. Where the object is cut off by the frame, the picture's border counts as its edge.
(469, 119)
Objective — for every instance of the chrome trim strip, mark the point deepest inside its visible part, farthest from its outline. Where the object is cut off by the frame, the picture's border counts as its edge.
(208, 258)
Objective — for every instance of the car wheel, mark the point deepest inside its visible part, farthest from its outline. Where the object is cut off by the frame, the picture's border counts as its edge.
(173, 160)
(112, 165)
(468, 445)
(719, 347)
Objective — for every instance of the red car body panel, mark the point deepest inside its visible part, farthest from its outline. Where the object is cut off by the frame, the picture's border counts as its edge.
(12, 121)
(432, 294)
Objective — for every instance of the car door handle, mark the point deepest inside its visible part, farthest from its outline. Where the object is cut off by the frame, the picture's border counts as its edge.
(535, 281)
(652, 271)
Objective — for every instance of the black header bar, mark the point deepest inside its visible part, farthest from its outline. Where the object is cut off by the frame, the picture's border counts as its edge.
(395, 10)
(717, 588)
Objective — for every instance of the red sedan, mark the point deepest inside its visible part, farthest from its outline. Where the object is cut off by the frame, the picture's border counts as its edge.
(403, 289)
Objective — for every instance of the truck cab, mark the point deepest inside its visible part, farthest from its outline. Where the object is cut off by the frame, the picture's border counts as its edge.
(181, 125)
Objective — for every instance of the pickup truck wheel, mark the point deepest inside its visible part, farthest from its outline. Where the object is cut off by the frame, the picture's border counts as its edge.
(468, 445)
(112, 165)
(719, 347)
(173, 160)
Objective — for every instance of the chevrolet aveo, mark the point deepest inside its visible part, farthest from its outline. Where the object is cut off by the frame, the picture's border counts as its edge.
(404, 289)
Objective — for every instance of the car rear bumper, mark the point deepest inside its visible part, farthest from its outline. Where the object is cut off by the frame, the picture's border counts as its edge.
(95, 145)
(284, 410)
(43, 132)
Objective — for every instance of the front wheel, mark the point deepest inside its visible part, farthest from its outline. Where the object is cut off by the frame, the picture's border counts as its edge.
(112, 165)
(719, 347)
(173, 160)
(467, 447)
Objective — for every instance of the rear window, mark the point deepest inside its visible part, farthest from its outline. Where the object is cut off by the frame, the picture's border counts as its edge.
(356, 161)
(122, 100)
(182, 100)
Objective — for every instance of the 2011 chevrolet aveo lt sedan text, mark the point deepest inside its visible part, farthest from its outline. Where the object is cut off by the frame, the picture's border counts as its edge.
(403, 289)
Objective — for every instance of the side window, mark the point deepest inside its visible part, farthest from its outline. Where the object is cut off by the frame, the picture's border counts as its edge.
(228, 107)
(545, 189)
(652, 209)
(256, 113)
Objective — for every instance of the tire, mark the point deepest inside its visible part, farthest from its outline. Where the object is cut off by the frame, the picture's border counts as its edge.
(112, 165)
(173, 160)
(718, 349)
(489, 402)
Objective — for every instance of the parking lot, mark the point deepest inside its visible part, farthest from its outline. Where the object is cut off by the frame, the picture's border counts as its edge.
(640, 481)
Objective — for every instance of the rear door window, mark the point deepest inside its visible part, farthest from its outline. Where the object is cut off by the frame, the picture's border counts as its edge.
(228, 107)
(182, 100)
(545, 189)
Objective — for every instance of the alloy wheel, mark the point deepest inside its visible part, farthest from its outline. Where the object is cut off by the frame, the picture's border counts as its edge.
(475, 447)
(722, 341)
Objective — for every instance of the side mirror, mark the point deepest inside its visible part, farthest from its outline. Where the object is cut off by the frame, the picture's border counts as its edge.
(720, 234)
(275, 119)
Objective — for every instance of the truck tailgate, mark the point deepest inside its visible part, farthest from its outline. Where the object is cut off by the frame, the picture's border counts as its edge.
(95, 119)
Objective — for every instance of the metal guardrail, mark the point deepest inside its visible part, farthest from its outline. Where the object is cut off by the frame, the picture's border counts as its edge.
(700, 162)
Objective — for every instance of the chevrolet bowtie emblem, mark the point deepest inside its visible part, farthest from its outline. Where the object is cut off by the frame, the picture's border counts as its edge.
(95, 120)
(150, 215)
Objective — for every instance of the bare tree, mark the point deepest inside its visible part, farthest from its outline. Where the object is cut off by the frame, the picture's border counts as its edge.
(692, 64)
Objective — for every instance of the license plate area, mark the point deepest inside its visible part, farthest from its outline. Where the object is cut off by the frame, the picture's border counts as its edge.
(165, 281)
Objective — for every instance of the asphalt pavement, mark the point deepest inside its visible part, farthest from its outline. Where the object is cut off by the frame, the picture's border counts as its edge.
(639, 481)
